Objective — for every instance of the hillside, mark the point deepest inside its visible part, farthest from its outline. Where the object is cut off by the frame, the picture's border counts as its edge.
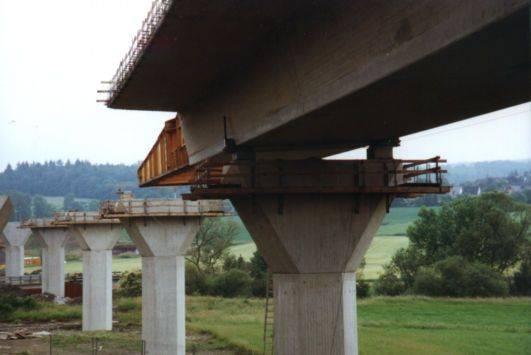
(459, 173)
(81, 178)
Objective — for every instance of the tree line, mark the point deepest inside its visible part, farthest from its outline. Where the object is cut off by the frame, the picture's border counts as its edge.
(473, 246)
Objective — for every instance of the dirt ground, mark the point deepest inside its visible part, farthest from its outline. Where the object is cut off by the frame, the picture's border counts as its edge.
(41, 346)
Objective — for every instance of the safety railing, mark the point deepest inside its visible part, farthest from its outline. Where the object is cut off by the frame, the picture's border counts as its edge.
(22, 280)
(163, 207)
(154, 18)
(394, 172)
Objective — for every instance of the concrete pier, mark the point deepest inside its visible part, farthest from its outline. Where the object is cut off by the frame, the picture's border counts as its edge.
(53, 264)
(313, 249)
(163, 242)
(14, 238)
(97, 241)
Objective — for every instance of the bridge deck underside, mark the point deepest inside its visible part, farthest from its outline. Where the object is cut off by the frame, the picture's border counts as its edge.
(185, 65)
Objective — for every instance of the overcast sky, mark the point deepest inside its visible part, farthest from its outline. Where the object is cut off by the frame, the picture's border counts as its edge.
(54, 53)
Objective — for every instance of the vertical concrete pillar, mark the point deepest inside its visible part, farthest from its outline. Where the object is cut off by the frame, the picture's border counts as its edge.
(53, 263)
(313, 245)
(163, 242)
(97, 241)
(14, 239)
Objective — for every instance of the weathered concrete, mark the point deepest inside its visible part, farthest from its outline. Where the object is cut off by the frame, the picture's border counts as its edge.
(315, 313)
(53, 259)
(14, 239)
(163, 242)
(313, 249)
(6, 208)
(97, 241)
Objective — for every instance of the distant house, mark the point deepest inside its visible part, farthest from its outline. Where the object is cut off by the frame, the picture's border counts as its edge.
(471, 190)
(456, 190)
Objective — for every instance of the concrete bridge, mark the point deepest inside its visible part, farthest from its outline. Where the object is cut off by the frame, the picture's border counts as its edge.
(264, 87)
(162, 230)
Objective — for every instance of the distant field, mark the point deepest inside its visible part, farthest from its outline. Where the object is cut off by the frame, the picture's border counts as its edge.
(118, 264)
(57, 201)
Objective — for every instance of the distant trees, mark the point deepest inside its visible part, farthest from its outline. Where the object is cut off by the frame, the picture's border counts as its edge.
(80, 178)
(471, 237)
(70, 204)
(21, 205)
(41, 208)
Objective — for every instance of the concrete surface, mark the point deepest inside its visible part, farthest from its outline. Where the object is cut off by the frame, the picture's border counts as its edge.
(6, 208)
(14, 239)
(53, 259)
(97, 241)
(163, 242)
(315, 313)
(313, 249)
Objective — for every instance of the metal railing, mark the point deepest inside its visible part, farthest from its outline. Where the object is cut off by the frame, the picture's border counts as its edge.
(154, 18)
(22, 280)
(163, 207)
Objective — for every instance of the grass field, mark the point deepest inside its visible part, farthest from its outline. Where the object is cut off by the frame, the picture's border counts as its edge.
(400, 325)
(118, 264)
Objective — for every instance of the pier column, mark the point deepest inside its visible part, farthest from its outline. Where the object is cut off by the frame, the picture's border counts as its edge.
(14, 239)
(53, 263)
(96, 242)
(163, 242)
(313, 244)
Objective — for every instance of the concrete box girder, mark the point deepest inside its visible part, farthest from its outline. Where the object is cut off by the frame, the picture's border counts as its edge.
(335, 64)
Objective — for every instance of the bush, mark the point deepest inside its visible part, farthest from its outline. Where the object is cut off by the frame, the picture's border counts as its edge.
(196, 281)
(9, 303)
(521, 283)
(362, 288)
(259, 286)
(388, 284)
(232, 283)
(127, 305)
(456, 277)
(131, 284)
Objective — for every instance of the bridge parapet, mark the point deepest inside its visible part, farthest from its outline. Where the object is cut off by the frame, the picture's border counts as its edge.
(164, 207)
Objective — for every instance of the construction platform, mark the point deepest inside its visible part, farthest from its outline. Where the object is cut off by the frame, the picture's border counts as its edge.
(126, 208)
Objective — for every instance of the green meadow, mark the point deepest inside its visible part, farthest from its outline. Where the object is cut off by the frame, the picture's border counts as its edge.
(399, 325)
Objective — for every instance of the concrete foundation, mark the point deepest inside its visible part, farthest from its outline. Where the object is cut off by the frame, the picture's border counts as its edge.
(14, 239)
(313, 244)
(163, 242)
(53, 259)
(97, 241)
